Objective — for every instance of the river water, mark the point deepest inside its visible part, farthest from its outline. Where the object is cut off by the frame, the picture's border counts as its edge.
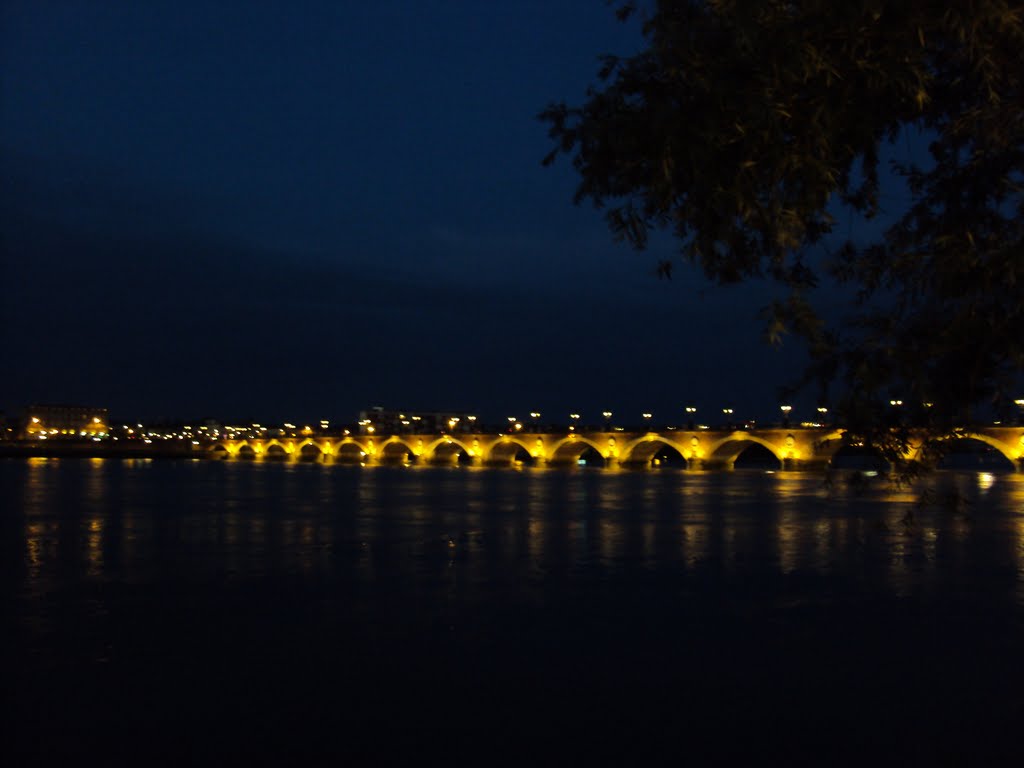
(169, 611)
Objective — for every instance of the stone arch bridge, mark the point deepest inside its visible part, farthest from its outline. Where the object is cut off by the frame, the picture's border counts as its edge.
(794, 448)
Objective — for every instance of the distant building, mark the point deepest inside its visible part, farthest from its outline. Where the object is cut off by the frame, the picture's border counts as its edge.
(383, 421)
(42, 422)
(8, 427)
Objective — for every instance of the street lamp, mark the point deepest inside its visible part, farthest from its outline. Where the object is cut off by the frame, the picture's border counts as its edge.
(727, 412)
(690, 411)
(534, 415)
(575, 420)
(1020, 414)
(823, 411)
(785, 414)
(511, 422)
(607, 419)
(647, 421)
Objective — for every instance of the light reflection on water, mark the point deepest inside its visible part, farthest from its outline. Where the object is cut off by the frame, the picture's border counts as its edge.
(740, 583)
(126, 520)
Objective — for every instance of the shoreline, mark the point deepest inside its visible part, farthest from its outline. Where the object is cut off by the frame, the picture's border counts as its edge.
(75, 450)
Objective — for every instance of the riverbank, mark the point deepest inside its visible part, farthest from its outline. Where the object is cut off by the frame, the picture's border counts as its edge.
(135, 449)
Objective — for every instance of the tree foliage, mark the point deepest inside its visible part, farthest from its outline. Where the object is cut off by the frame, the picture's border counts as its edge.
(754, 129)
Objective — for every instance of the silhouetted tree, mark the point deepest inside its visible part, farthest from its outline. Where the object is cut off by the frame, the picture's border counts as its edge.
(750, 128)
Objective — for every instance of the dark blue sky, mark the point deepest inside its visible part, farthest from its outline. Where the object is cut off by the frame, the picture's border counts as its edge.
(295, 210)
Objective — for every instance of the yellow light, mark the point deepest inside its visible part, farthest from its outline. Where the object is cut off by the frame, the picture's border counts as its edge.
(35, 419)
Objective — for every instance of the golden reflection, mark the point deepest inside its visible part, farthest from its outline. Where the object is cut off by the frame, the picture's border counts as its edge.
(696, 544)
(825, 538)
(40, 547)
(535, 535)
(94, 547)
(609, 534)
(787, 535)
(611, 498)
(37, 486)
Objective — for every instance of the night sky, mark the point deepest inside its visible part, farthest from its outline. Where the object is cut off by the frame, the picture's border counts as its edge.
(298, 210)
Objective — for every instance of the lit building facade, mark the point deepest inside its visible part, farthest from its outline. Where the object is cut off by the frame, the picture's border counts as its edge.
(54, 422)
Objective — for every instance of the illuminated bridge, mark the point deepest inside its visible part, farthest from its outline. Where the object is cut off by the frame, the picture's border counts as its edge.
(701, 449)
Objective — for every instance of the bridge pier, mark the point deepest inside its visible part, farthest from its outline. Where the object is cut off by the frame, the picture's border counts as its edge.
(709, 465)
(633, 466)
(494, 463)
(805, 465)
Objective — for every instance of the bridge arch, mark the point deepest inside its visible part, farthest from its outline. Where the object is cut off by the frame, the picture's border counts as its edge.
(729, 448)
(246, 451)
(396, 450)
(220, 451)
(1011, 454)
(828, 445)
(447, 450)
(506, 448)
(643, 450)
(274, 450)
(569, 450)
(308, 450)
(349, 451)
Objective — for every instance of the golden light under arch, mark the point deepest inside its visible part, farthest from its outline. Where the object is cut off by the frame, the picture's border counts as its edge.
(717, 452)
(578, 441)
(497, 454)
(636, 452)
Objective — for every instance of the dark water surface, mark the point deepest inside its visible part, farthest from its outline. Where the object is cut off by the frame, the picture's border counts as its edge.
(179, 612)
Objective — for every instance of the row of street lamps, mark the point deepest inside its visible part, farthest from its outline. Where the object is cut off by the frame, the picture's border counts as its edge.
(691, 410)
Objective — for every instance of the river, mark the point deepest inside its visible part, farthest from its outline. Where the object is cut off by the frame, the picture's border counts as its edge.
(169, 611)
